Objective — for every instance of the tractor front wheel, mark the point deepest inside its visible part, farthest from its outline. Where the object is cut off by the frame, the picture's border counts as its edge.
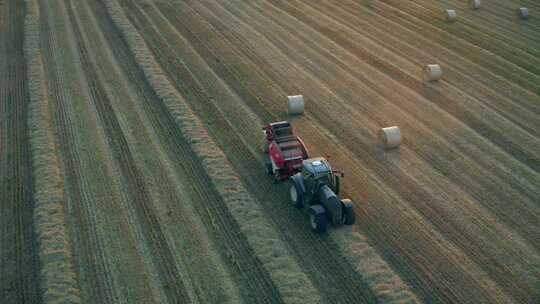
(317, 219)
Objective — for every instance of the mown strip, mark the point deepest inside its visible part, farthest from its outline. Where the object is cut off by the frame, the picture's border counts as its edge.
(57, 279)
(292, 284)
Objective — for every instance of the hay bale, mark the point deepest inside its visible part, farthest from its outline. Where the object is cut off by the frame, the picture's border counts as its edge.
(523, 13)
(390, 137)
(295, 105)
(475, 4)
(432, 72)
(451, 15)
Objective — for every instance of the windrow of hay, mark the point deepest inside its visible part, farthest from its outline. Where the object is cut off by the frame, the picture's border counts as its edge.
(292, 283)
(57, 278)
(380, 277)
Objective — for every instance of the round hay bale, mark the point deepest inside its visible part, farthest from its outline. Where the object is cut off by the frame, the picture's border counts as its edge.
(475, 4)
(450, 15)
(432, 72)
(296, 105)
(390, 137)
(523, 12)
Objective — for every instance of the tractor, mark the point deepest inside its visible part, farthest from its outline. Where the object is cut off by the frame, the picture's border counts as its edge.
(315, 189)
(285, 151)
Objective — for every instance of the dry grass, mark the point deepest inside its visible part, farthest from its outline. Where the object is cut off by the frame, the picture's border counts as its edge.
(58, 281)
(381, 278)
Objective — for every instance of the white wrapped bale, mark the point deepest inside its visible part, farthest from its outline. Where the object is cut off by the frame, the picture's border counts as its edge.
(296, 104)
(390, 137)
(432, 72)
(523, 13)
(450, 15)
(475, 4)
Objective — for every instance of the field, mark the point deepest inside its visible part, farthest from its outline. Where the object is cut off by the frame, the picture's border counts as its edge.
(131, 170)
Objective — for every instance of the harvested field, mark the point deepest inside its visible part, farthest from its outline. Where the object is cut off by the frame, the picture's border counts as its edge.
(131, 169)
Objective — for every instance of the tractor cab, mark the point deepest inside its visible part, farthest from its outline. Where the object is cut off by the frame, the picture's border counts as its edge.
(316, 189)
(317, 172)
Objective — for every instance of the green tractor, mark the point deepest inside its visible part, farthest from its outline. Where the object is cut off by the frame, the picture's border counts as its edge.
(315, 189)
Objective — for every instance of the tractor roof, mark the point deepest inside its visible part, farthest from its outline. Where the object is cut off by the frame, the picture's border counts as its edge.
(317, 165)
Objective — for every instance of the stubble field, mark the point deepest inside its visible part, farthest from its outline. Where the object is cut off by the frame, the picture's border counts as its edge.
(131, 170)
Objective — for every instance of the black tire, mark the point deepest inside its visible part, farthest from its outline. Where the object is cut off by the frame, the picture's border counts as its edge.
(296, 195)
(349, 217)
(317, 220)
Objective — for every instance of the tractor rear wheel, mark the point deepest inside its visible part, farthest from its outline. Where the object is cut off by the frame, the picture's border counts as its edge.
(349, 217)
(296, 195)
(317, 219)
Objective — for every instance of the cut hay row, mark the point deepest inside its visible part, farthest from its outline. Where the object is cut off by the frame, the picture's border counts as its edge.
(293, 285)
(58, 282)
(270, 51)
(167, 188)
(383, 281)
(378, 274)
